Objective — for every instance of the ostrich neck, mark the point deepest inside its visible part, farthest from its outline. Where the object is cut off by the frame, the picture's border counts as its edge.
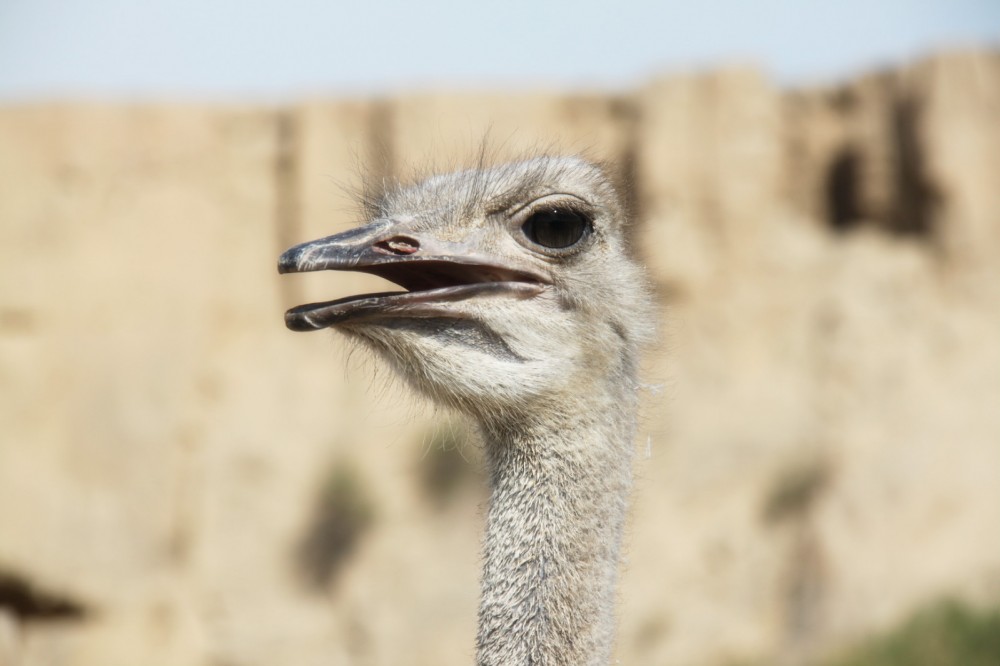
(560, 490)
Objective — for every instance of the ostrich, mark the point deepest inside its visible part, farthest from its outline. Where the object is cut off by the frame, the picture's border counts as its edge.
(522, 310)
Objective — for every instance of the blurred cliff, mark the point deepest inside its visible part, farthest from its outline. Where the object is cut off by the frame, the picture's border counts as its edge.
(183, 481)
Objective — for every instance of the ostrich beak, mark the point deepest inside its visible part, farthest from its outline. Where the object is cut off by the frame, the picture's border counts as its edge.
(349, 250)
(432, 271)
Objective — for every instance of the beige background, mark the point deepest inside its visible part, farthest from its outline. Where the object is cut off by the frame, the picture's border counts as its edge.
(820, 452)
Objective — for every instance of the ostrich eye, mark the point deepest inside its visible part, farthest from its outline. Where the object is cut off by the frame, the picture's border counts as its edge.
(556, 228)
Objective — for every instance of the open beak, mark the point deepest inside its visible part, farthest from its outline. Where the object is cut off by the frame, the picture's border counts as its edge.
(432, 272)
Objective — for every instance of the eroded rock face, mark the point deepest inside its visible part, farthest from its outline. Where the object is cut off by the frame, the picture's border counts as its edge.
(824, 453)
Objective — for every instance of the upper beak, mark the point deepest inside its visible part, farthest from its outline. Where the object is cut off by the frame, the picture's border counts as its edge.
(411, 260)
(428, 268)
(350, 250)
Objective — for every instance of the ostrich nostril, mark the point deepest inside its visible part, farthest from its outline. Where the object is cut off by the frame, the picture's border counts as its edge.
(400, 245)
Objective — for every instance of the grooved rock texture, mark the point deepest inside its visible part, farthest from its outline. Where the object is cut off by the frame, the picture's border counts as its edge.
(821, 439)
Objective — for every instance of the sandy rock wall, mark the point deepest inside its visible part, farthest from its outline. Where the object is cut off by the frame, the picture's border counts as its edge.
(183, 481)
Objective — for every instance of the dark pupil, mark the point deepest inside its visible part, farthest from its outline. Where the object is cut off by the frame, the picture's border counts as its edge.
(555, 228)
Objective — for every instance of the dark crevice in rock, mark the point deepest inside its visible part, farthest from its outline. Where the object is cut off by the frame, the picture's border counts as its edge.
(343, 513)
(916, 199)
(28, 602)
(843, 194)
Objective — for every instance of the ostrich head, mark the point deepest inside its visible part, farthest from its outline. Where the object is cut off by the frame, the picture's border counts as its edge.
(518, 286)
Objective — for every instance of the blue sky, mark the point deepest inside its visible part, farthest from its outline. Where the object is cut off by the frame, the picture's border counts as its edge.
(276, 49)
